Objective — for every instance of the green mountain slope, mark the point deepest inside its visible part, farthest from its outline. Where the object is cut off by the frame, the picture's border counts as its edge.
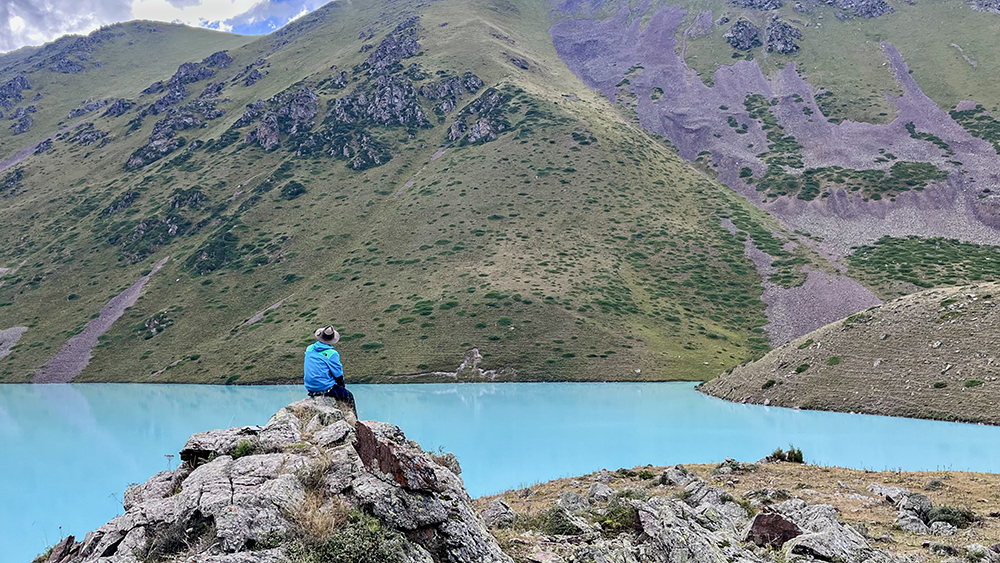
(456, 188)
(116, 61)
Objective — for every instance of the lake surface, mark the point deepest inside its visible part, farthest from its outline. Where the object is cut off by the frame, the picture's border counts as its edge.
(67, 452)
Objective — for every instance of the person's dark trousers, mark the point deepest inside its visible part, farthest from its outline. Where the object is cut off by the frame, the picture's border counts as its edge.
(338, 392)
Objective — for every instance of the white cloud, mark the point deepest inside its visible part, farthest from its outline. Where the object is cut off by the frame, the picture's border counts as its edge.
(32, 22)
(191, 12)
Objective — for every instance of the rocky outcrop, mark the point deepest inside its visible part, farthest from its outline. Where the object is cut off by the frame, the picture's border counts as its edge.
(67, 66)
(290, 113)
(23, 125)
(781, 37)
(387, 101)
(87, 135)
(259, 493)
(704, 524)
(219, 59)
(864, 8)
(398, 45)
(482, 120)
(772, 530)
(743, 36)
(117, 108)
(88, 107)
(916, 513)
(12, 90)
(759, 4)
(252, 77)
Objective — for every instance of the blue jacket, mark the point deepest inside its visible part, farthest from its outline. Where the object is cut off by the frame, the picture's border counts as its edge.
(322, 368)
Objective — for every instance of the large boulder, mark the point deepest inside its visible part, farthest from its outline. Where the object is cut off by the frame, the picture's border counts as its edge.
(246, 494)
(499, 514)
(771, 530)
(573, 502)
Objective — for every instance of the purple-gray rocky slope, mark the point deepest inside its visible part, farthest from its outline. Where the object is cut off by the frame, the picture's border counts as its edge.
(688, 113)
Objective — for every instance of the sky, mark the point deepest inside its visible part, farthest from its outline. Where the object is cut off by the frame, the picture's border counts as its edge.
(34, 22)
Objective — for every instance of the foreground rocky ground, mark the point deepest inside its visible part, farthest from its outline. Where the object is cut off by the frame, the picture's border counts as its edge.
(314, 485)
(933, 354)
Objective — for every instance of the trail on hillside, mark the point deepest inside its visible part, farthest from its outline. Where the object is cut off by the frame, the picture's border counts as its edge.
(9, 337)
(28, 151)
(74, 356)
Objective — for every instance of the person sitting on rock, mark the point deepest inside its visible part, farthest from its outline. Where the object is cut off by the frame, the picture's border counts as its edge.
(324, 374)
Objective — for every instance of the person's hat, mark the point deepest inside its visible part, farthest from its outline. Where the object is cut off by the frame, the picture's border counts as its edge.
(328, 335)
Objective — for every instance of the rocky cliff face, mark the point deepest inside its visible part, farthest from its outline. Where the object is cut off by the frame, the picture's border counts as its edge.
(313, 484)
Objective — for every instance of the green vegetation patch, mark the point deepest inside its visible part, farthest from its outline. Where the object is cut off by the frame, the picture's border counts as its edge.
(925, 263)
(979, 123)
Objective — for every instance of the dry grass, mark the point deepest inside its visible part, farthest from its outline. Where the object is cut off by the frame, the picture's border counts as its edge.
(846, 489)
(928, 355)
(320, 517)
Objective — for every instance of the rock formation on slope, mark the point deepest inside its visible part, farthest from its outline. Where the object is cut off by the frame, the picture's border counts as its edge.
(932, 354)
(312, 480)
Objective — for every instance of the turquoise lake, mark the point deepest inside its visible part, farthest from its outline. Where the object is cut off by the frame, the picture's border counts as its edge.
(67, 452)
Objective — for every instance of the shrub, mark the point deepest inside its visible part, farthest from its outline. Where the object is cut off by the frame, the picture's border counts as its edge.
(619, 517)
(940, 384)
(958, 517)
(793, 455)
(973, 382)
(292, 190)
(834, 360)
(768, 384)
(361, 539)
(645, 474)
(244, 448)
(801, 368)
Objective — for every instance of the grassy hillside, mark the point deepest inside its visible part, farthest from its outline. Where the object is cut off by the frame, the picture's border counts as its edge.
(927, 355)
(116, 61)
(950, 47)
(564, 243)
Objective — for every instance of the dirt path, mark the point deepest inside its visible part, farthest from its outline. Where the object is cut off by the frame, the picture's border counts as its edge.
(260, 316)
(9, 337)
(76, 353)
(409, 183)
(26, 152)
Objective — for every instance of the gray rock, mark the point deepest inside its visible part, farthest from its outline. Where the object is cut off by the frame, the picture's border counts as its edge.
(276, 555)
(942, 549)
(599, 492)
(743, 36)
(891, 495)
(499, 514)
(204, 445)
(235, 510)
(981, 554)
(604, 476)
(336, 433)
(909, 522)
(674, 536)
(943, 529)
(781, 37)
(160, 486)
(771, 530)
(915, 503)
(676, 475)
(572, 501)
